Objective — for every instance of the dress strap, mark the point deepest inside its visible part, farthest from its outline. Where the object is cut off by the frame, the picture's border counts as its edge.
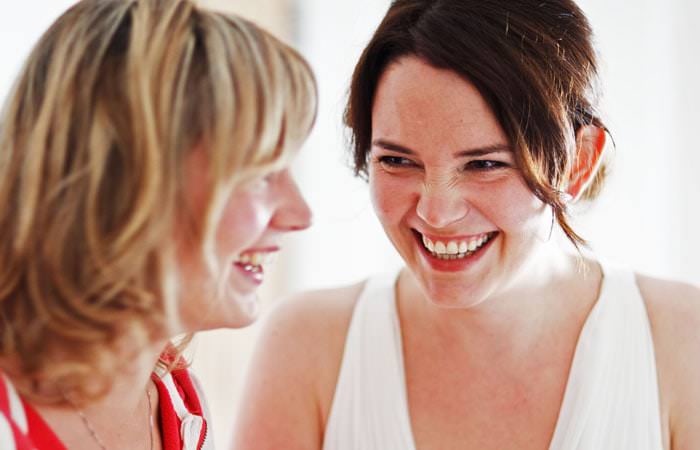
(611, 400)
(369, 410)
(183, 417)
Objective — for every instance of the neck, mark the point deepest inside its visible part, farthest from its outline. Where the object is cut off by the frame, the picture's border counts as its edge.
(517, 317)
(129, 390)
(116, 417)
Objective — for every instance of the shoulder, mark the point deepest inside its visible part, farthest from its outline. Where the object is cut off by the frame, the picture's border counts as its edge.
(674, 314)
(305, 334)
(674, 311)
(311, 327)
(291, 379)
(314, 314)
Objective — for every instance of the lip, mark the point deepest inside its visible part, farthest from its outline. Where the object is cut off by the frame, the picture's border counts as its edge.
(269, 249)
(463, 237)
(452, 265)
(255, 277)
(255, 274)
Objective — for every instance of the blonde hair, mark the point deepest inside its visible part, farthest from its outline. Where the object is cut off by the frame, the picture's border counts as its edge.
(93, 141)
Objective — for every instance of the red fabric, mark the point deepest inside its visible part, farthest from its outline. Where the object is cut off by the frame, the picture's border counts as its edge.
(4, 400)
(22, 442)
(169, 422)
(41, 437)
(39, 431)
(191, 399)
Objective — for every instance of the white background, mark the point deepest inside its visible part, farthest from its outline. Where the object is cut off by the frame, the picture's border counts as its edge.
(649, 213)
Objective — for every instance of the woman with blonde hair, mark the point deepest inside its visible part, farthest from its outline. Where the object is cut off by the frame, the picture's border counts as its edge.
(144, 157)
(477, 125)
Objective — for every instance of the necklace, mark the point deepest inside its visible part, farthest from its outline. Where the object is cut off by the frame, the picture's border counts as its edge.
(96, 437)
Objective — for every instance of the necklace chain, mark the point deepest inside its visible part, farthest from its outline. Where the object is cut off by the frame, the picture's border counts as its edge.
(96, 437)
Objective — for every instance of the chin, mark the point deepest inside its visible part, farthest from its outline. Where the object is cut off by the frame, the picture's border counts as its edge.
(244, 311)
(446, 294)
(219, 323)
(452, 300)
(238, 312)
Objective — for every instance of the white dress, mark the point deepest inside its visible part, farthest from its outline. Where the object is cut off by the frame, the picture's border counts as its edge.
(611, 400)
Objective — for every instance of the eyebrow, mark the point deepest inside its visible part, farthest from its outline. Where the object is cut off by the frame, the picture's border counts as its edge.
(478, 151)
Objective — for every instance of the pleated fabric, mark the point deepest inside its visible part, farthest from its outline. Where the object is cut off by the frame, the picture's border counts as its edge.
(611, 400)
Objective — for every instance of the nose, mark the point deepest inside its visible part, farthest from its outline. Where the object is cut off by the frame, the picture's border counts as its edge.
(441, 204)
(293, 213)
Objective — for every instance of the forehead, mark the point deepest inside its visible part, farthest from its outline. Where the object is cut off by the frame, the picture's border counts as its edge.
(424, 107)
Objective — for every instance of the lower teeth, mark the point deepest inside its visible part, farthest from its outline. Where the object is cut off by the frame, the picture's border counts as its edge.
(457, 256)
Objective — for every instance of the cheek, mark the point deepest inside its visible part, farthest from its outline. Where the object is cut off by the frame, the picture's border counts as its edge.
(390, 196)
(242, 222)
(514, 208)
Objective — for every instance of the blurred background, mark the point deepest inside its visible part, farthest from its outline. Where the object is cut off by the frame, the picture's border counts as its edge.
(648, 216)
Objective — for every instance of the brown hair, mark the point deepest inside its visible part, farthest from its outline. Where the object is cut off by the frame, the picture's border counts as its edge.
(93, 142)
(532, 60)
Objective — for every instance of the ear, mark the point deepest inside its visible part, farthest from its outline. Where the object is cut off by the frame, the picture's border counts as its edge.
(590, 144)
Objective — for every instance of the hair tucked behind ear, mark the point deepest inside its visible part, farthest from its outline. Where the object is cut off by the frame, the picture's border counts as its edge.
(93, 140)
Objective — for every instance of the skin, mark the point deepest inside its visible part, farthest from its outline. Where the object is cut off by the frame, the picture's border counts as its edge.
(255, 217)
(499, 323)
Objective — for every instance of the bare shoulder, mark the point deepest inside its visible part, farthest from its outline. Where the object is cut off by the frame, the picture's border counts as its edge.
(311, 326)
(315, 314)
(291, 379)
(310, 329)
(674, 314)
(674, 311)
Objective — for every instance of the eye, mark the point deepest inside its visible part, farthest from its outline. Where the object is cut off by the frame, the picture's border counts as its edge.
(395, 161)
(485, 165)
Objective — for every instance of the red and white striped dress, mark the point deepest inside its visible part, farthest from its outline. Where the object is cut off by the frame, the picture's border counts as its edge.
(183, 415)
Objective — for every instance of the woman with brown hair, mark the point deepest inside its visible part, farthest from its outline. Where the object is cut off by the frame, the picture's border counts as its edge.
(144, 180)
(476, 124)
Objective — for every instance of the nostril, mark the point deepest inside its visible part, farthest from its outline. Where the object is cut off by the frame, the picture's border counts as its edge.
(441, 210)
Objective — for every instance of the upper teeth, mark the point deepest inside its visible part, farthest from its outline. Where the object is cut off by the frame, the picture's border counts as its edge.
(455, 247)
(255, 258)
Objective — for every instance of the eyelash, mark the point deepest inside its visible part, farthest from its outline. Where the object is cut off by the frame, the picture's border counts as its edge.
(395, 161)
(485, 165)
(480, 165)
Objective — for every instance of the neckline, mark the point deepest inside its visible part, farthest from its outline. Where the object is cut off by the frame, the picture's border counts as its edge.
(41, 434)
(567, 398)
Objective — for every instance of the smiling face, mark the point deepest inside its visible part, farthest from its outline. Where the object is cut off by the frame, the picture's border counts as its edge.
(250, 226)
(446, 187)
